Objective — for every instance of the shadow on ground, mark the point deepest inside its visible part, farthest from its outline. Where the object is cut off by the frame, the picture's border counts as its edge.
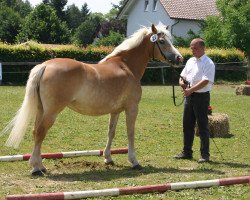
(108, 173)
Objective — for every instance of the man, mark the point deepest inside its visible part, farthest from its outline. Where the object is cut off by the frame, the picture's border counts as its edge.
(196, 80)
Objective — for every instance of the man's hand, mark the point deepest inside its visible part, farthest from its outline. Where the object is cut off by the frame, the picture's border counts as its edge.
(183, 83)
(187, 92)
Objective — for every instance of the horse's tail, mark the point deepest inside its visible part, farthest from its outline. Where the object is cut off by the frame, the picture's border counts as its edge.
(28, 109)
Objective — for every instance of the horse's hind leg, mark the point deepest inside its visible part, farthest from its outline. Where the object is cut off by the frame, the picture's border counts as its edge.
(35, 159)
(111, 133)
(42, 125)
(131, 114)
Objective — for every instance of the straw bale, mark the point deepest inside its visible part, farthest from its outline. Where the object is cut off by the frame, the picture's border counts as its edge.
(243, 89)
(218, 125)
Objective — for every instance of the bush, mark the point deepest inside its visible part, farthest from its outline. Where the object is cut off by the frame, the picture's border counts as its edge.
(113, 39)
(185, 42)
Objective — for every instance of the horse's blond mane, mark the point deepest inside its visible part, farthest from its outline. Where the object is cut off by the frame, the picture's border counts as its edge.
(135, 39)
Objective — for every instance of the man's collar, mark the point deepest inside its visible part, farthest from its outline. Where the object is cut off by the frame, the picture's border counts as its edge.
(200, 58)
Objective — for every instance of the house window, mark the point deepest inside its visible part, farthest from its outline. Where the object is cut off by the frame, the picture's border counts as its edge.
(155, 5)
(146, 6)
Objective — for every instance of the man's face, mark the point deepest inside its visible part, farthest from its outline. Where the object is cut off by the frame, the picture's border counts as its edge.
(197, 49)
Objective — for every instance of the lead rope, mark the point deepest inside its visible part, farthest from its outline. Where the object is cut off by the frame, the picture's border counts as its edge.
(173, 87)
(173, 70)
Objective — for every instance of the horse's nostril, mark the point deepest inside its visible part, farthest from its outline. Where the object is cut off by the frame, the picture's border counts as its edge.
(178, 59)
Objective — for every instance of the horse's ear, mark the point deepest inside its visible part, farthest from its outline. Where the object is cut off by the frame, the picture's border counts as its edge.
(154, 30)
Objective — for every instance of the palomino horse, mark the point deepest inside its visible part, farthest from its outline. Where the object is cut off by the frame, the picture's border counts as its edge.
(109, 87)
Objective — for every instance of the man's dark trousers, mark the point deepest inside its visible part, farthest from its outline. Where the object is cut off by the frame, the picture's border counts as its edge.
(196, 110)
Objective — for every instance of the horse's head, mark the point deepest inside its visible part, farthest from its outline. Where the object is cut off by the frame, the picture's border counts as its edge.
(163, 48)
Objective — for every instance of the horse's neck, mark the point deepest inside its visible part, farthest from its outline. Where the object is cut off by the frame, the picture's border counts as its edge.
(138, 58)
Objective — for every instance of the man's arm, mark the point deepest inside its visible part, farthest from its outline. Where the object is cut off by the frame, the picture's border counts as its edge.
(201, 84)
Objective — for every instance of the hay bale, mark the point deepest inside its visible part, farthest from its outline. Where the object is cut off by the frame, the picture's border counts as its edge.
(218, 125)
(243, 90)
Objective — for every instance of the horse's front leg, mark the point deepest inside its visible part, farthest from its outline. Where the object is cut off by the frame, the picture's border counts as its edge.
(131, 115)
(111, 133)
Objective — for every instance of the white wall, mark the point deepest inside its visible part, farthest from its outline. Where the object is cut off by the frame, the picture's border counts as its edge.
(183, 26)
(137, 18)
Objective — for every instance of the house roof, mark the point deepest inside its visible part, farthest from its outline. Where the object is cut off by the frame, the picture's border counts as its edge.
(181, 9)
(190, 9)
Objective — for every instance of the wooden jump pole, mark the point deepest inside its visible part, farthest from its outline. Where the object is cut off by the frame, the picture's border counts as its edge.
(69, 154)
(132, 190)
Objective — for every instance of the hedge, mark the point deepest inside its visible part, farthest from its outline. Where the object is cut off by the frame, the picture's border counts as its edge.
(35, 52)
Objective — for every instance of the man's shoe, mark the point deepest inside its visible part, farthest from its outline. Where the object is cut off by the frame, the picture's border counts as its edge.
(203, 160)
(183, 156)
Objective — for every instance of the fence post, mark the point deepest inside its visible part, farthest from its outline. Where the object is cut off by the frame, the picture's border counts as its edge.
(1, 76)
(162, 75)
(248, 68)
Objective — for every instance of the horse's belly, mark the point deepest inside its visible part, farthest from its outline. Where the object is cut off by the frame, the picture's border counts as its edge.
(99, 98)
(98, 106)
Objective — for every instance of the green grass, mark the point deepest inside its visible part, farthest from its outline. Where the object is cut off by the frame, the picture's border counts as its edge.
(158, 139)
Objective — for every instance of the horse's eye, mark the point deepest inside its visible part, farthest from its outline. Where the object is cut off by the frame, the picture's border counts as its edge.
(161, 41)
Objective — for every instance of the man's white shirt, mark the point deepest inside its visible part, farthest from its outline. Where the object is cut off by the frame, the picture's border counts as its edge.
(199, 69)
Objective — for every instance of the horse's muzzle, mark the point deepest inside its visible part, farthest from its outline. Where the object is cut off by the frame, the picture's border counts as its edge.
(175, 59)
(179, 60)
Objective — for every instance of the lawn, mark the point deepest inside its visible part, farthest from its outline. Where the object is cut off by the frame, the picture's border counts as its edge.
(158, 139)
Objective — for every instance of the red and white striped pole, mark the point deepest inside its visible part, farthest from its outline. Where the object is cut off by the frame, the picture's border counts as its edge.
(132, 190)
(68, 154)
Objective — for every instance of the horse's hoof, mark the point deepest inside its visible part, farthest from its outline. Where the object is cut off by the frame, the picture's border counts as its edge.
(137, 167)
(110, 163)
(38, 173)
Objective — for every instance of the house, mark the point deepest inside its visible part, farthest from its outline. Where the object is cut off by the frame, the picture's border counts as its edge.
(180, 15)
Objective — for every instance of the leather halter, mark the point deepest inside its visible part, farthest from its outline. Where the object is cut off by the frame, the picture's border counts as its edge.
(173, 71)
(162, 54)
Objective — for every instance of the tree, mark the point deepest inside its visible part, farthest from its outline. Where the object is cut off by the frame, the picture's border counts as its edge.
(85, 11)
(43, 25)
(112, 14)
(23, 8)
(231, 27)
(113, 25)
(74, 16)
(87, 31)
(10, 24)
(58, 5)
